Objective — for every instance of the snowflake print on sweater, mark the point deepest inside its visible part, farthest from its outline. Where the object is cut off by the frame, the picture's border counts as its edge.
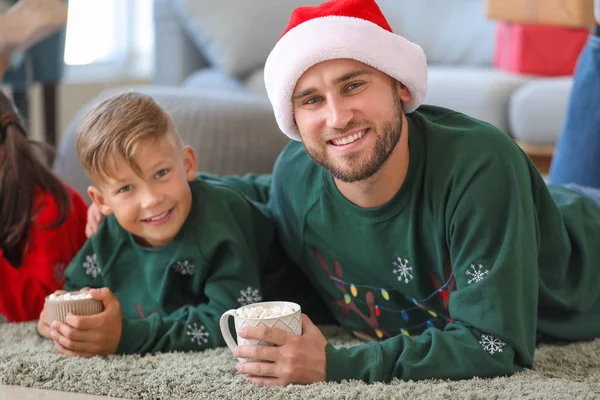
(91, 266)
(249, 296)
(403, 270)
(197, 334)
(476, 273)
(184, 267)
(492, 344)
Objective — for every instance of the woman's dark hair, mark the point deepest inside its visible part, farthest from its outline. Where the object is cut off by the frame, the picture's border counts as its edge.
(24, 170)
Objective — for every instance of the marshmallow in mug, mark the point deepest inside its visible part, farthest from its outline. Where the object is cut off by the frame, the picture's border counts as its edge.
(260, 312)
(70, 296)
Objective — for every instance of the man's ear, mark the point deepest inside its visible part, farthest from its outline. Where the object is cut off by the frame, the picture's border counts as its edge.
(190, 163)
(403, 92)
(99, 200)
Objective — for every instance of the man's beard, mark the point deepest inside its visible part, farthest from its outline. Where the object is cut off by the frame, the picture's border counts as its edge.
(384, 146)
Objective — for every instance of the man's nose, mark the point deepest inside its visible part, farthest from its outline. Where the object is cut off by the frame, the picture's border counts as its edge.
(339, 113)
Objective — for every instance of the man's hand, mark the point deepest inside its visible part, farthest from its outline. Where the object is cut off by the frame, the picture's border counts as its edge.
(296, 359)
(43, 325)
(94, 217)
(88, 336)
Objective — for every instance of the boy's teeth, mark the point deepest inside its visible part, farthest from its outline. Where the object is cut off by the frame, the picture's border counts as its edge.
(159, 216)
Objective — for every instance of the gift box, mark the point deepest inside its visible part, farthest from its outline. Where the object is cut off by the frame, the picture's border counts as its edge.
(538, 49)
(572, 13)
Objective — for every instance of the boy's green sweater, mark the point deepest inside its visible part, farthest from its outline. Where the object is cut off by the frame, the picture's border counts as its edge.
(172, 297)
(459, 272)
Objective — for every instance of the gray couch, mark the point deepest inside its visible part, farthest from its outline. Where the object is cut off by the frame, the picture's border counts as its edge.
(209, 75)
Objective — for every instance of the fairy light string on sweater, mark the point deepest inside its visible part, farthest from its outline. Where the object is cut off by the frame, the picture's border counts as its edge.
(354, 289)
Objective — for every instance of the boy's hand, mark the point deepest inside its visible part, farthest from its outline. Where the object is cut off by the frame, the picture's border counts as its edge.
(94, 217)
(88, 336)
(43, 325)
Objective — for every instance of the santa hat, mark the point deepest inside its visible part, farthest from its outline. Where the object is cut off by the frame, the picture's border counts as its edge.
(354, 29)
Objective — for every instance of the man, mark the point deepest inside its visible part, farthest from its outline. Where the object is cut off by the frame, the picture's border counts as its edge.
(427, 231)
(425, 228)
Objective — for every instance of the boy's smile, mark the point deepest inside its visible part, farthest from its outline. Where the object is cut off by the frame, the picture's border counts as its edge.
(160, 218)
(154, 202)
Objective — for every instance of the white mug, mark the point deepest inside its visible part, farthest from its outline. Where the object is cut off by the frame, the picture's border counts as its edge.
(289, 323)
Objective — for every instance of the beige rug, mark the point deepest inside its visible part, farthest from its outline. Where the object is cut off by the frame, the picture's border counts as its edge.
(561, 372)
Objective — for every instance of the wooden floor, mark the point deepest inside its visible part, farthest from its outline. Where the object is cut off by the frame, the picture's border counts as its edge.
(541, 155)
(8, 392)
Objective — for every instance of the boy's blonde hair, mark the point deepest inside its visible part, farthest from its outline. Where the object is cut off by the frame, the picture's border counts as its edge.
(115, 128)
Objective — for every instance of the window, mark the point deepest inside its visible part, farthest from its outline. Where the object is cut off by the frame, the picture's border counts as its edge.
(108, 39)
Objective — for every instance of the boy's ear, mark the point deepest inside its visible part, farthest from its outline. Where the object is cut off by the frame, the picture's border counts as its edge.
(99, 200)
(189, 163)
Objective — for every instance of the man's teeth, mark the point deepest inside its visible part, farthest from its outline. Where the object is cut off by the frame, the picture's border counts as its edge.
(161, 216)
(349, 139)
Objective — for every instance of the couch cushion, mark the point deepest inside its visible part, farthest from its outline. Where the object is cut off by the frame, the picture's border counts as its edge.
(482, 93)
(537, 110)
(451, 33)
(255, 82)
(236, 35)
(212, 78)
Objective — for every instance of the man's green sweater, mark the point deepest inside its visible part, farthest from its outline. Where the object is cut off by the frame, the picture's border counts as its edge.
(463, 268)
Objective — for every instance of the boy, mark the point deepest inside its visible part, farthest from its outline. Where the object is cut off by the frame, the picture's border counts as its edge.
(173, 252)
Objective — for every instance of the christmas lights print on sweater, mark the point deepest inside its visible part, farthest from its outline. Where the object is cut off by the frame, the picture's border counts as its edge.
(384, 304)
